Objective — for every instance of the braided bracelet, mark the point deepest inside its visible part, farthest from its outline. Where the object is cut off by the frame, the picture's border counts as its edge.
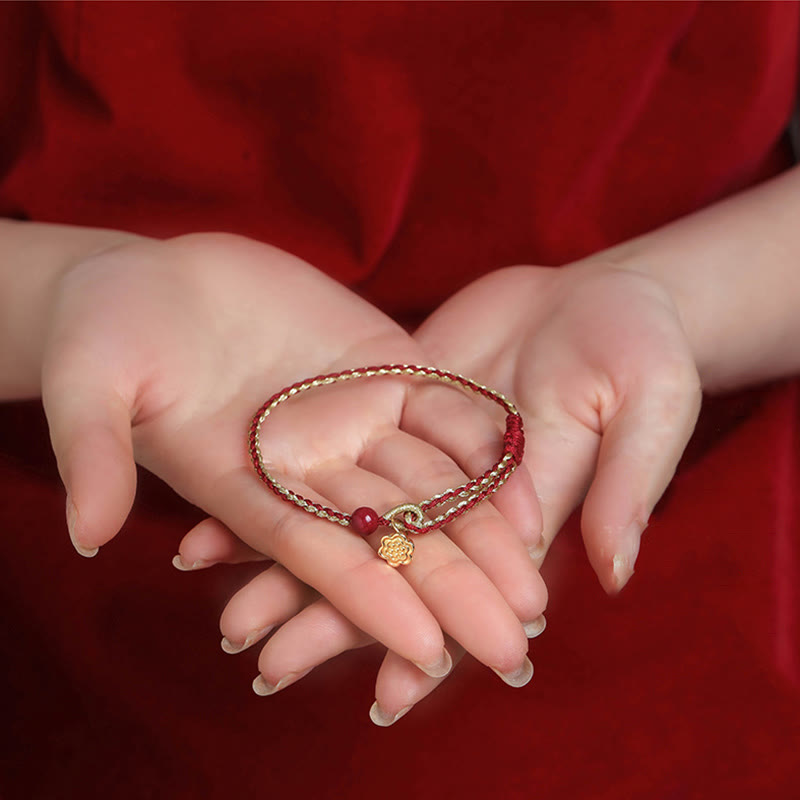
(407, 518)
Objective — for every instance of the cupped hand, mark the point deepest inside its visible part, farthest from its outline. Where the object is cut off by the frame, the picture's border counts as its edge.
(160, 352)
(599, 365)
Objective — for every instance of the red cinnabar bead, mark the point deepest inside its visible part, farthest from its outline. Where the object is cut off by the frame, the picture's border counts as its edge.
(364, 520)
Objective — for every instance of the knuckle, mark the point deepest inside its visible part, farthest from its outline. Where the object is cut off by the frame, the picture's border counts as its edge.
(282, 536)
(676, 391)
(677, 375)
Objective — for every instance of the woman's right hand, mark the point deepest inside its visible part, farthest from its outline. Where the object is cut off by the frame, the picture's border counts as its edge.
(160, 352)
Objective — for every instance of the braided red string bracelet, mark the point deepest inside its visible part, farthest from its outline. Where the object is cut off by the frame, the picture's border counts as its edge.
(407, 518)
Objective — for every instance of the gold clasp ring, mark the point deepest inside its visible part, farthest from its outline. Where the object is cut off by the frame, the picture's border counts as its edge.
(398, 516)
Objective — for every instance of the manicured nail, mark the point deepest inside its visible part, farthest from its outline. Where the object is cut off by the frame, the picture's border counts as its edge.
(441, 668)
(180, 564)
(72, 521)
(533, 629)
(229, 647)
(384, 720)
(518, 678)
(262, 688)
(623, 562)
(538, 551)
(622, 571)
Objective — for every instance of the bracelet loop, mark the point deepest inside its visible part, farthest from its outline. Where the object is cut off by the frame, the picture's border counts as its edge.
(407, 518)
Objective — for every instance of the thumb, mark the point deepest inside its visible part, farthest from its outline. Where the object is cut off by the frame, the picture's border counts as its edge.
(90, 430)
(639, 452)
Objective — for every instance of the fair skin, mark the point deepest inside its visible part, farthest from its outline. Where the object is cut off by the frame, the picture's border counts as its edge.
(160, 352)
(605, 359)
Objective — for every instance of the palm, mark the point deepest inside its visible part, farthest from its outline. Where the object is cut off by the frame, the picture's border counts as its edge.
(268, 320)
(598, 363)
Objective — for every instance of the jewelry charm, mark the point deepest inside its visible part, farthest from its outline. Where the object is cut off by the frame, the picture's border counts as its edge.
(398, 549)
(408, 518)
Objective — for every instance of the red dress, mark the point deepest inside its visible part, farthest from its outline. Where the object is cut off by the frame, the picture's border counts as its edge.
(405, 149)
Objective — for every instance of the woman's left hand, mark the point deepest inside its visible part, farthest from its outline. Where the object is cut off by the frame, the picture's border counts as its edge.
(599, 365)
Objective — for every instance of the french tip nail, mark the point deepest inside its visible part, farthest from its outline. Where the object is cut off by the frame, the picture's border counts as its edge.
(262, 688)
(440, 669)
(86, 552)
(518, 678)
(384, 720)
(538, 551)
(229, 647)
(625, 560)
(72, 519)
(232, 648)
(180, 564)
(536, 627)
(622, 571)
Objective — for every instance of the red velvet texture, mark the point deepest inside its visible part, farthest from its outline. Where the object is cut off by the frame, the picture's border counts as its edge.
(405, 149)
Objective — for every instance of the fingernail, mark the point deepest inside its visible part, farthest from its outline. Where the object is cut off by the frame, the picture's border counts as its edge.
(229, 647)
(441, 668)
(538, 551)
(262, 688)
(623, 562)
(518, 678)
(533, 629)
(72, 521)
(384, 720)
(180, 564)
(622, 571)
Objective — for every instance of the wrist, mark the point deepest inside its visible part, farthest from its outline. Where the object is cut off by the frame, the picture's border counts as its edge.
(34, 258)
(732, 271)
(698, 322)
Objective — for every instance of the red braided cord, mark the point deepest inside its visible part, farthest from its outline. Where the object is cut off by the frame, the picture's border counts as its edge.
(513, 448)
(457, 511)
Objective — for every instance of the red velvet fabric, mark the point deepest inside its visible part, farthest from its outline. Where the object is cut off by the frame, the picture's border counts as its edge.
(405, 149)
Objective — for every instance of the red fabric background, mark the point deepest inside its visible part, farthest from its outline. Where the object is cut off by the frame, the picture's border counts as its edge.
(405, 149)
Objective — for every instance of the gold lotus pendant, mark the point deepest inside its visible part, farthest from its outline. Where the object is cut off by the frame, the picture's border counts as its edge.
(397, 549)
